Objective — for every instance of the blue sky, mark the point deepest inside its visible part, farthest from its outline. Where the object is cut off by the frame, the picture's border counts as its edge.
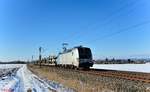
(27, 24)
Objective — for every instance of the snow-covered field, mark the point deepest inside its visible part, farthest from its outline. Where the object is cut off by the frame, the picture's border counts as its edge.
(23, 80)
(124, 67)
(6, 66)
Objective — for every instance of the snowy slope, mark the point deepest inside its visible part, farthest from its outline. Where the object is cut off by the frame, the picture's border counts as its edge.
(124, 67)
(22, 80)
(28, 81)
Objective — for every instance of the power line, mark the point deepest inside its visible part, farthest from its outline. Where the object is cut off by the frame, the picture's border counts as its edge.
(107, 19)
(120, 31)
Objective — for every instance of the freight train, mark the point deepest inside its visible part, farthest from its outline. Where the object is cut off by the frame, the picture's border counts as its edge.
(77, 57)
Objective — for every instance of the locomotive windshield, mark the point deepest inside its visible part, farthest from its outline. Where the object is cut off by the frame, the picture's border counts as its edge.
(84, 53)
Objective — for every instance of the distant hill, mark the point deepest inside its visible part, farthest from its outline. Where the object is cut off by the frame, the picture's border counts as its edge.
(13, 62)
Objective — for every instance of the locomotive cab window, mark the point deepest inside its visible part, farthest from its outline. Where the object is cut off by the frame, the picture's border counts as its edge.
(84, 53)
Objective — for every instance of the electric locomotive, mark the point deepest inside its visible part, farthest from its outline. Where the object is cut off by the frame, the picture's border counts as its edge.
(76, 57)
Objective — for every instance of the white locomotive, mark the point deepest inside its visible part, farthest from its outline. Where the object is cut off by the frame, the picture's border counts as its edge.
(76, 57)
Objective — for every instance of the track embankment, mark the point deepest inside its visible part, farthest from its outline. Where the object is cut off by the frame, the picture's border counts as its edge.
(95, 80)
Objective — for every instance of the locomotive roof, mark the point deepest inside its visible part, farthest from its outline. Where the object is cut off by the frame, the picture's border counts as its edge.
(69, 50)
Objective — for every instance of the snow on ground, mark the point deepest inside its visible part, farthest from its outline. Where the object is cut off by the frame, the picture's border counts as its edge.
(124, 67)
(28, 81)
(22, 80)
(8, 81)
(10, 84)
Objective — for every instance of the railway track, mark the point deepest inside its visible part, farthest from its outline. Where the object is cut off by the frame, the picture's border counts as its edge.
(132, 76)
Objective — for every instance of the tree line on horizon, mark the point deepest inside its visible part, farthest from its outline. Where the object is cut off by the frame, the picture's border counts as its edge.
(14, 62)
(119, 61)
